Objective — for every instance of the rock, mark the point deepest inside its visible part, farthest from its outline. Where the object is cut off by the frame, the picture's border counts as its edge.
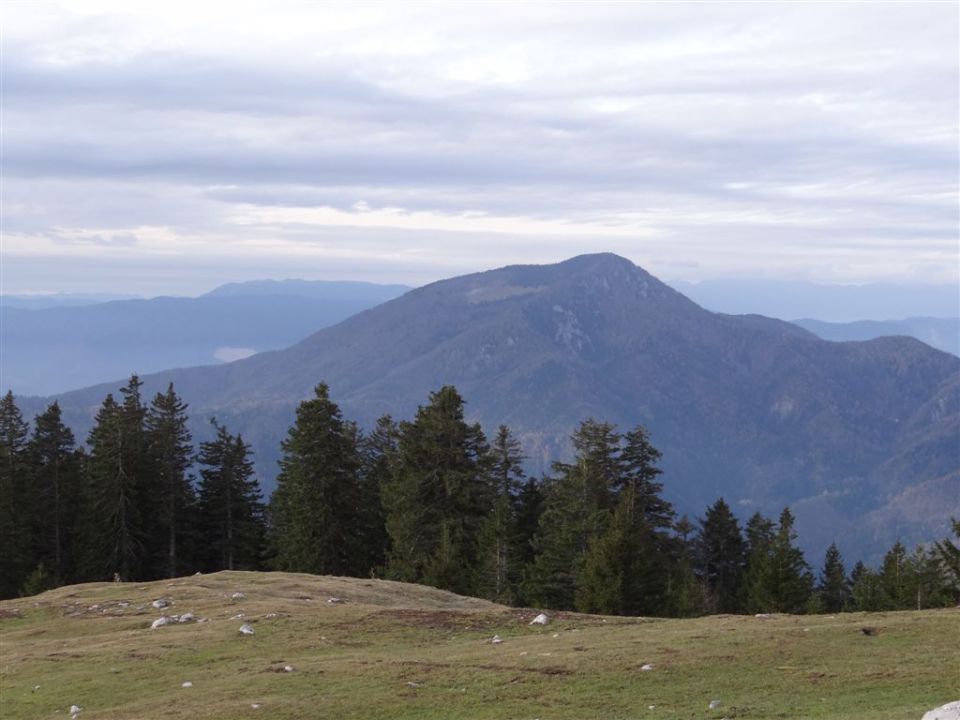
(36, 687)
(646, 667)
(246, 629)
(288, 668)
(714, 704)
(238, 596)
(950, 711)
(763, 616)
(414, 684)
(238, 616)
(334, 601)
(161, 621)
(185, 618)
(255, 706)
(187, 684)
(556, 635)
(496, 640)
(540, 619)
(75, 710)
(160, 604)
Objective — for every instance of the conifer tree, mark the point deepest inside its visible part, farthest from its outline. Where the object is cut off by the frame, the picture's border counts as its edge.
(438, 497)
(866, 593)
(170, 452)
(57, 495)
(686, 596)
(498, 565)
(121, 502)
(315, 509)
(895, 579)
(721, 557)
(579, 502)
(378, 459)
(789, 580)
(755, 589)
(231, 514)
(946, 553)
(834, 587)
(16, 558)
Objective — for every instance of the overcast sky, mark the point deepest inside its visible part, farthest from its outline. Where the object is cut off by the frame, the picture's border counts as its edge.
(167, 149)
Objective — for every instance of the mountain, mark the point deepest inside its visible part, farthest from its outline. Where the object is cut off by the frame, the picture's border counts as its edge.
(757, 410)
(941, 333)
(109, 340)
(831, 303)
(49, 300)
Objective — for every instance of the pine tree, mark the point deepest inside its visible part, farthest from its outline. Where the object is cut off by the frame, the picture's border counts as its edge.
(16, 558)
(947, 554)
(638, 469)
(438, 496)
(790, 582)
(230, 512)
(895, 579)
(721, 557)
(755, 589)
(57, 495)
(170, 453)
(578, 500)
(834, 587)
(122, 506)
(865, 591)
(315, 509)
(686, 595)
(498, 567)
(378, 458)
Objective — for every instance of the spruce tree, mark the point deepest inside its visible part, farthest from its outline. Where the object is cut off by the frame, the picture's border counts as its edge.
(947, 554)
(686, 596)
(721, 557)
(57, 495)
(578, 501)
(230, 512)
(121, 501)
(378, 458)
(315, 510)
(790, 582)
(895, 579)
(834, 587)
(498, 565)
(16, 557)
(756, 586)
(438, 496)
(865, 590)
(170, 453)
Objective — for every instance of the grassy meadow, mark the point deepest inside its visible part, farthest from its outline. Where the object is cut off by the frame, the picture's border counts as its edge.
(391, 650)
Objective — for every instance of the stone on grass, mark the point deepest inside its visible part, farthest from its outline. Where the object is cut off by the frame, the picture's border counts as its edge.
(185, 618)
(160, 604)
(646, 667)
(288, 668)
(187, 684)
(334, 601)
(540, 619)
(496, 640)
(161, 621)
(238, 596)
(950, 711)
(246, 629)
(75, 710)
(714, 704)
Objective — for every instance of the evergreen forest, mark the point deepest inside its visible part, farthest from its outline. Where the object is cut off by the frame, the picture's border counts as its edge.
(429, 500)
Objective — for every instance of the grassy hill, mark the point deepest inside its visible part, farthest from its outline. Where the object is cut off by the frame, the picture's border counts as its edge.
(391, 650)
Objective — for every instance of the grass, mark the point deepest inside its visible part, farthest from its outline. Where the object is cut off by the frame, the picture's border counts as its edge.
(392, 650)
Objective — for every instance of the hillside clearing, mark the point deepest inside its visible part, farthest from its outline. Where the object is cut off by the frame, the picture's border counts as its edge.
(391, 650)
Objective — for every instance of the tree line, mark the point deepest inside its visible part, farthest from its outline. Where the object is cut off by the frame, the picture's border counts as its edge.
(429, 500)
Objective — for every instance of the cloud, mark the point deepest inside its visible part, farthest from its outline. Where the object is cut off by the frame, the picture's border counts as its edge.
(814, 140)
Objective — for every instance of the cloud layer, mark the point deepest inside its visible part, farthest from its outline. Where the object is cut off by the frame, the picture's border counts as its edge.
(169, 150)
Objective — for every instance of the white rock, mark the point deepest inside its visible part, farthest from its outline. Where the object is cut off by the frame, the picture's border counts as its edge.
(246, 629)
(36, 687)
(540, 619)
(414, 684)
(651, 707)
(161, 621)
(255, 706)
(496, 640)
(238, 596)
(646, 667)
(334, 601)
(187, 684)
(556, 635)
(288, 668)
(762, 616)
(714, 704)
(950, 711)
(185, 618)
(238, 616)
(75, 710)
(160, 604)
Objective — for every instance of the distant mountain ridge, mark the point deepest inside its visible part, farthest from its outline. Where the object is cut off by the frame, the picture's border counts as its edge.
(940, 333)
(757, 410)
(112, 339)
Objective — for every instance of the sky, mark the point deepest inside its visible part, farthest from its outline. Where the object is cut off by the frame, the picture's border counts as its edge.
(167, 149)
